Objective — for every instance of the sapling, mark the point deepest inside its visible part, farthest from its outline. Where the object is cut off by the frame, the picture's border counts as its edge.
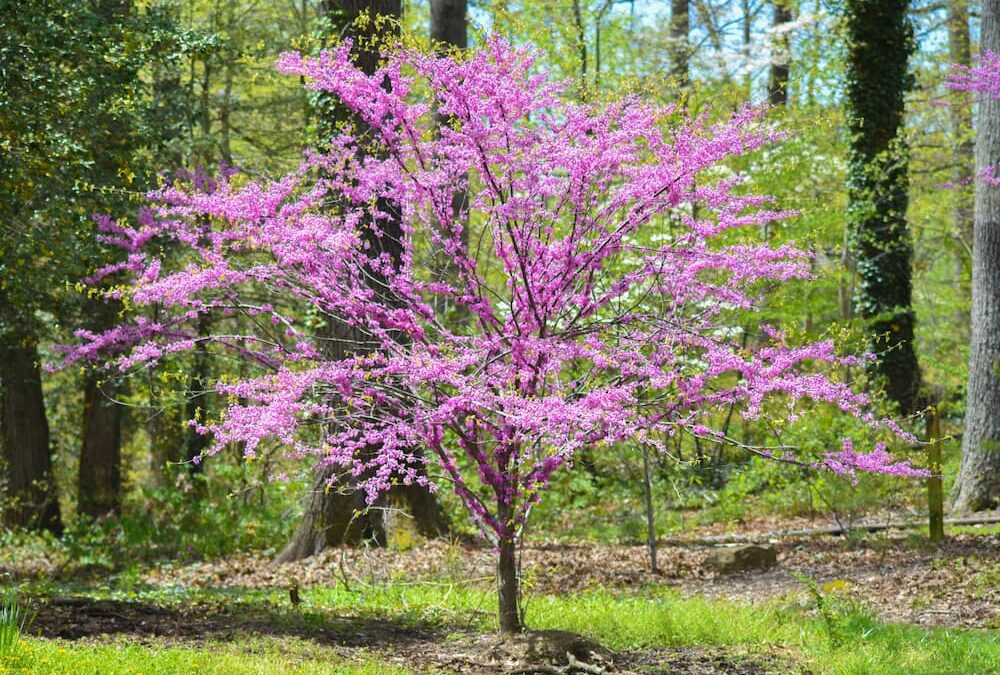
(599, 284)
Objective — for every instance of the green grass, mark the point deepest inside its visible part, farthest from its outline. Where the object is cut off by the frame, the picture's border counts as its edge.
(254, 655)
(863, 645)
(848, 640)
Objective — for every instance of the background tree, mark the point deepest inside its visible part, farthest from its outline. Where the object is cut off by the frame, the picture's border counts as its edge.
(963, 154)
(112, 145)
(879, 44)
(45, 126)
(449, 23)
(338, 516)
(978, 484)
(680, 45)
(777, 87)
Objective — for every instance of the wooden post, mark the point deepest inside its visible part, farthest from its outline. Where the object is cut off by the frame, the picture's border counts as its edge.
(935, 492)
(647, 485)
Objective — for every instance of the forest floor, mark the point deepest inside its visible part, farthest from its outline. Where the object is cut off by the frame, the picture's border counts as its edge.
(430, 609)
(900, 577)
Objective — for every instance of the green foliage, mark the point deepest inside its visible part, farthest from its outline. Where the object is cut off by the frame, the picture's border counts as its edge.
(194, 518)
(843, 617)
(879, 44)
(15, 619)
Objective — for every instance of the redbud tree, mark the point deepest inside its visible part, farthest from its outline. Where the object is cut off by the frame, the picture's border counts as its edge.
(598, 286)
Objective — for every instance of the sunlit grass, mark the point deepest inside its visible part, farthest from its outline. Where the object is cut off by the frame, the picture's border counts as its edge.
(262, 656)
(847, 640)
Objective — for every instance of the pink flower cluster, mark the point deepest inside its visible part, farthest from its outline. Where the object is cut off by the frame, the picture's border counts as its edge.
(981, 78)
(597, 288)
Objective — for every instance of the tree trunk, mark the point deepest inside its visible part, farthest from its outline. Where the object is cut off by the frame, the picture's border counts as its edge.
(335, 517)
(963, 155)
(647, 493)
(777, 88)
(449, 25)
(99, 472)
(747, 25)
(31, 499)
(99, 483)
(449, 29)
(879, 44)
(581, 46)
(978, 484)
(680, 47)
(935, 494)
(340, 516)
(507, 588)
(163, 427)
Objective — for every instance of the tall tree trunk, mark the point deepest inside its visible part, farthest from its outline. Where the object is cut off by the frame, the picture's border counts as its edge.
(777, 87)
(449, 30)
(31, 499)
(879, 44)
(963, 154)
(680, 46)
(339, 516)
(978, 484)
(747, 29)
(581, 46)
(99, 472)
(449, 23)
(100, 481)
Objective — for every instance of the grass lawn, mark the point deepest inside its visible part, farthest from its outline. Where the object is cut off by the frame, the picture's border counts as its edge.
(338, 630)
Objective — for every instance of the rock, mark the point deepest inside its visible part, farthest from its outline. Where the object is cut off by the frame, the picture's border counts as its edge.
(732, 559)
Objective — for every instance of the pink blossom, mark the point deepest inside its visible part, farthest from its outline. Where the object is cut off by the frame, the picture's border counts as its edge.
(598, 309)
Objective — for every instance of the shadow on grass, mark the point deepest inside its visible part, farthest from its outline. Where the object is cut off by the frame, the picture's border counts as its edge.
(434, 646)
(74, 618)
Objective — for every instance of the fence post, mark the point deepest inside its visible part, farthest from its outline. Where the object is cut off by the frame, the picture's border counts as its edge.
(935, 492)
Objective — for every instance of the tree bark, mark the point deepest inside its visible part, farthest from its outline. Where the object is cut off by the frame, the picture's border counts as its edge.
(879, 44)
(99, 471)
(449, 30)
(449, 24)
(647, 493)
(339, 516)
(963, 154)
(978, 484)
(31, 500)
(100, 482)
(508, 588)
(581, 46)
(777, 88)
(680, 46)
